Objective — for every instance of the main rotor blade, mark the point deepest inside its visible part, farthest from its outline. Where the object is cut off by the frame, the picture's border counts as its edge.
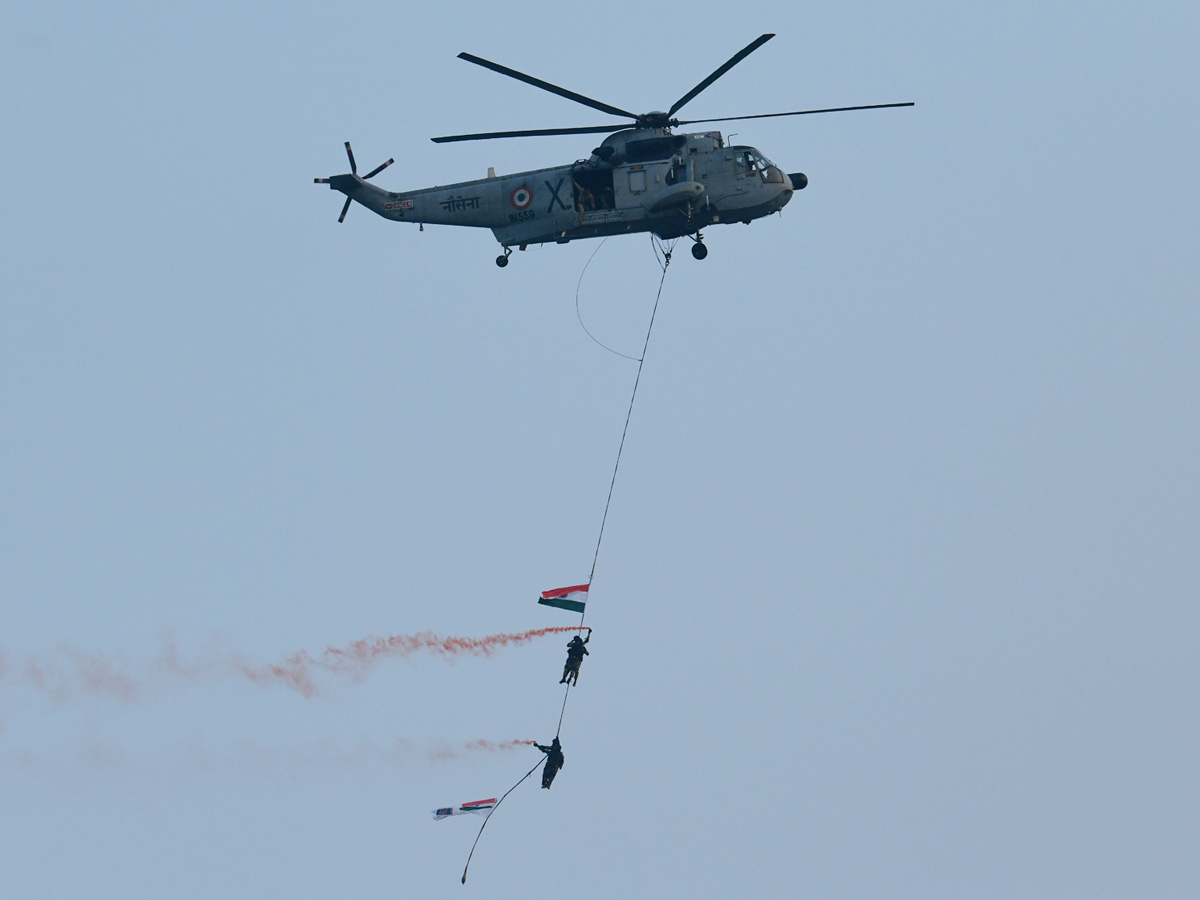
(547, 86)
(802, 112)
(534, 132)
(737, 58)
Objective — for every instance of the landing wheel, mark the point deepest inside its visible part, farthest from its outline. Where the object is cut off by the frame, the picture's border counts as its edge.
(699, 250)
(502, 260)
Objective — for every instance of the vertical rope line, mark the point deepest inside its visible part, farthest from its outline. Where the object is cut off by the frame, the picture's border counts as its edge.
(628, 415)
(665, 261)
(563, 712)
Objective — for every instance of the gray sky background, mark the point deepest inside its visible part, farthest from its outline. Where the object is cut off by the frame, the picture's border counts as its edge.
(897, 596)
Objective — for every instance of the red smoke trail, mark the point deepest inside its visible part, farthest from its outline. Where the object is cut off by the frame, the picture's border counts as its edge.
(199, 757)
(91, 673)
(358, 656)
(99, 675)
(444, 752)
(70, 670)
(492, 746)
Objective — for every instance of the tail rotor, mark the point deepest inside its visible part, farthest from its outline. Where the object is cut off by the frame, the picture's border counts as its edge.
(334, 180)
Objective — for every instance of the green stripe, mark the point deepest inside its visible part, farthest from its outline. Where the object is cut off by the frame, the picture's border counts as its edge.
(572, 605)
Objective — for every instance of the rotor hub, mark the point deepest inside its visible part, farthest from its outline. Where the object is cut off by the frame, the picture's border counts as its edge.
(657, 119)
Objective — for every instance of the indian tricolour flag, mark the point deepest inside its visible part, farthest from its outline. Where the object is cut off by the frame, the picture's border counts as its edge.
(572, 598)
(482, 807)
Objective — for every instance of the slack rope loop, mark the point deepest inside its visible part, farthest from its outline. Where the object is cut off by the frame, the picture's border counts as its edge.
(579, 315)
(489, 818)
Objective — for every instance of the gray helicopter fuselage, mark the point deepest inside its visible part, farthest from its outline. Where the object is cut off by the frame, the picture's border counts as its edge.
(637, 180)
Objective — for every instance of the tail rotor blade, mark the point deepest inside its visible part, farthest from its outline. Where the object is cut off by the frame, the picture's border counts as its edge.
(348, 184)
(375, 171)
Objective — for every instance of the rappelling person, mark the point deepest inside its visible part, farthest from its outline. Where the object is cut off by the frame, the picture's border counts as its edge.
(554, 761)
(576, 651)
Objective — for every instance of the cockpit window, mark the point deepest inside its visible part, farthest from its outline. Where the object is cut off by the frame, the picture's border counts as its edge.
(751, 162)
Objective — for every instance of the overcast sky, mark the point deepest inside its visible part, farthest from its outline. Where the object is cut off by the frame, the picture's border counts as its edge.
(898, 591)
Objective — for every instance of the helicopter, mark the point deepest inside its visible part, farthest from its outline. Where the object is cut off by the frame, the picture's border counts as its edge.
(643, 177)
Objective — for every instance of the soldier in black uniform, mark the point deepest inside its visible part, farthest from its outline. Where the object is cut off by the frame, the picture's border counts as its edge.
(554, 761)
(576, 651)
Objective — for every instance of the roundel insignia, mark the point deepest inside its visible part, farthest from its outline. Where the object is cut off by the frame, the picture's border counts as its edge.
(521, 197)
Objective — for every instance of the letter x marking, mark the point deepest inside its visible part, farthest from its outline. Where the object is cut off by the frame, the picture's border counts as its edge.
(554, 198)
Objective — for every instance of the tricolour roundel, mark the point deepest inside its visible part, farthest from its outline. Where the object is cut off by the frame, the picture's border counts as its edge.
(521, 197)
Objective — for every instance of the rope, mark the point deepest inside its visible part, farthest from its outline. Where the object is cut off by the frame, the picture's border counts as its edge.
(665, 262)
(563, 711)
(489, 818)
(579, 315)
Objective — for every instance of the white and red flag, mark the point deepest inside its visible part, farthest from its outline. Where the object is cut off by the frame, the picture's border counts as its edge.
(571, 598)
(482, 807)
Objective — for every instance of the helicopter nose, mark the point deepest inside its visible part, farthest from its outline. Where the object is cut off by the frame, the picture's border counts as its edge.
(799, 181)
